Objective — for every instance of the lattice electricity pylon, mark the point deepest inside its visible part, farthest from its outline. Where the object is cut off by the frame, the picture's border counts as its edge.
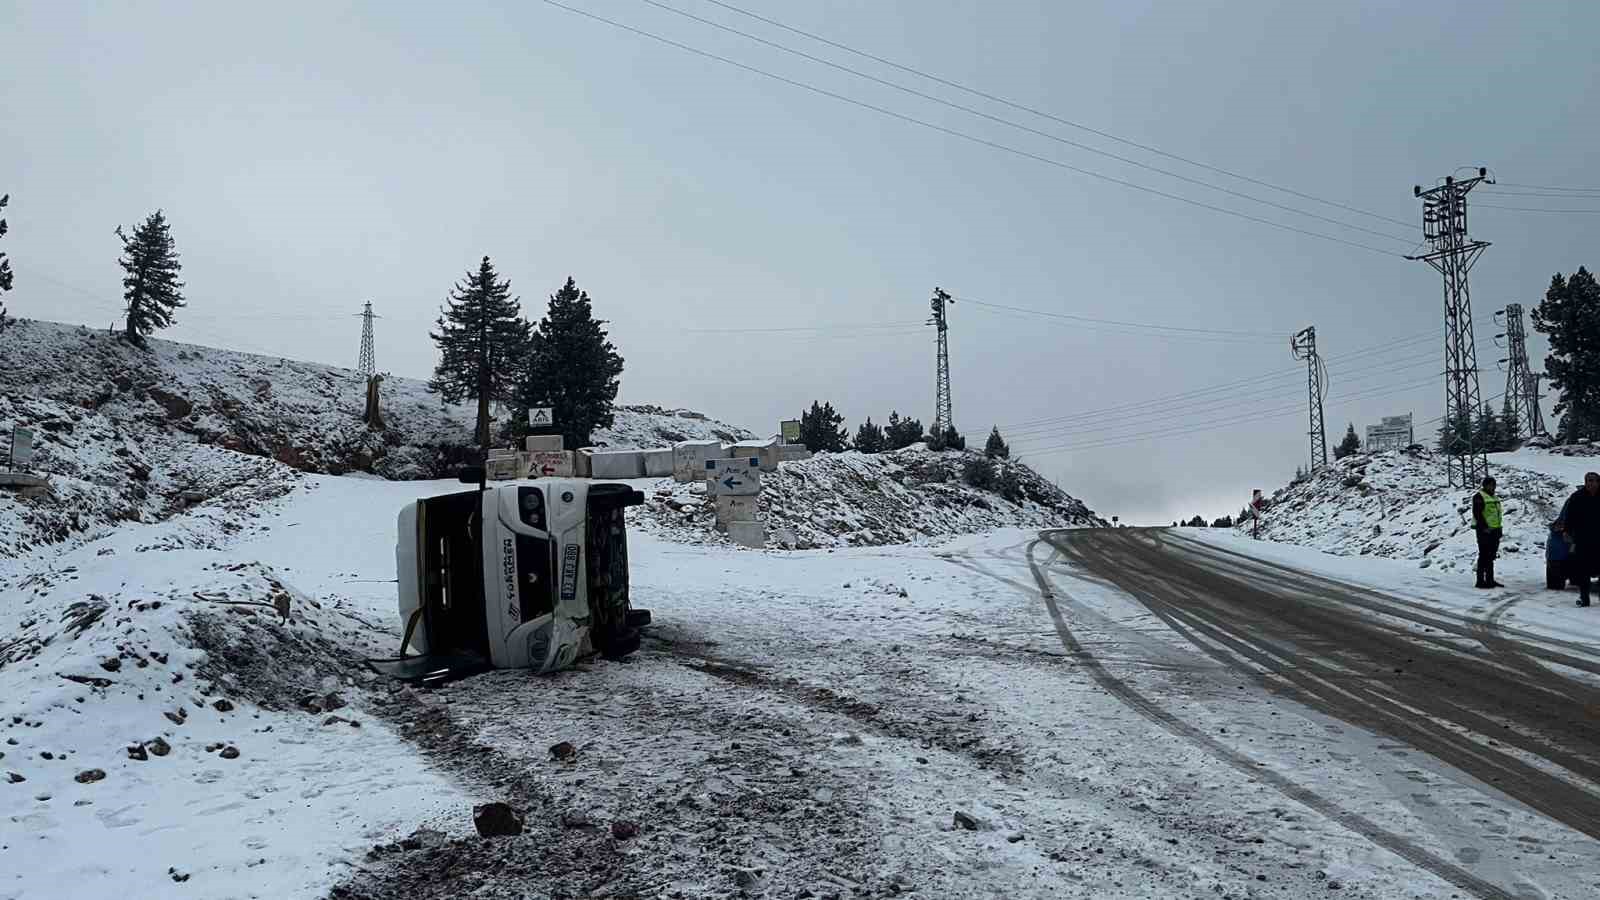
(943, 419)
(1304, 346)
(1451, 253)
(1522, 386)
(368, 364)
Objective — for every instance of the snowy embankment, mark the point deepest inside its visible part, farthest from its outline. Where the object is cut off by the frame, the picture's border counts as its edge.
(1397, 505)
(862, 499)
(137, 435)
(306, 415)
(184, 699)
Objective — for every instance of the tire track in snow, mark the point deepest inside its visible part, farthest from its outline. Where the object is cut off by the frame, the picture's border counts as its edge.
(1351, 821)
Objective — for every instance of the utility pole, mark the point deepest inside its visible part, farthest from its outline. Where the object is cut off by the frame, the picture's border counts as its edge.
(942, 417)
(368, 364)
(1522, 386)
(1304, 346)
(1451, 253)
(368, 369)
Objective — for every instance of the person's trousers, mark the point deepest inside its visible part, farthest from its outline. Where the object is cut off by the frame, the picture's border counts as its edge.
(1581, 568)
(1488, 549)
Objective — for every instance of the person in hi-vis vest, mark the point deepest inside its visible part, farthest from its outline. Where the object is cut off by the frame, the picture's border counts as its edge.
(1486, 521)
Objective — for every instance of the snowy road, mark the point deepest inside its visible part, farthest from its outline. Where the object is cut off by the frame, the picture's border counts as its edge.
(1507, 719)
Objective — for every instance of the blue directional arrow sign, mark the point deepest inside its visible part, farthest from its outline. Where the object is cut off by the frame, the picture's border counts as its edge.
(733, 477)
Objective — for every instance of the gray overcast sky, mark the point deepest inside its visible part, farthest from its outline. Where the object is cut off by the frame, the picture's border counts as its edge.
(311, 156)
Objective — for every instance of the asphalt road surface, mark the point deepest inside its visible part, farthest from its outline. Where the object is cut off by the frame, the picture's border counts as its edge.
(1504, 706)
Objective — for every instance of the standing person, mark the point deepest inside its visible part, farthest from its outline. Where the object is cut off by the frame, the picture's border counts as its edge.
(1486, 521)
(1580, 524)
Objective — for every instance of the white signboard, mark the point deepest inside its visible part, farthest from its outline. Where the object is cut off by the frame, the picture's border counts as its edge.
(550, 464)
(733, 477)
(21, 447)
(541, 416)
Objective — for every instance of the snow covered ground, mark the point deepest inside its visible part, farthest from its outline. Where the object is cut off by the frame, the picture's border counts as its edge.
(797, 721)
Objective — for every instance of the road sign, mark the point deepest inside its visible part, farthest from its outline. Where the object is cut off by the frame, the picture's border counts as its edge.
(733, 477)
(790, 429)
(21, 447)
(551, 465)
(541, 416)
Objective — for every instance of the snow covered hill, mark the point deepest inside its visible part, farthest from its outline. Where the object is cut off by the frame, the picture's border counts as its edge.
(134, 435)
(1398, 505)
(861, 499)
(305, 415)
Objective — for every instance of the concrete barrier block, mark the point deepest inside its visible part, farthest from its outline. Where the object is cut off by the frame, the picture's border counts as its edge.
(558, 464)
(658, 462)
(582, 466)
(748, 534)
(732, 509)
(689, 458)
(502, 468)
(792, 452)
(616, 464)
(765, 451)
(544, 443)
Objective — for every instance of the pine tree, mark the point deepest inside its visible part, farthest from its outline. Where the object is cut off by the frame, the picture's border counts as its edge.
(1010, 484)
(979, 471)
(1570, 315)
(949, 439)
(1456, 436)
(5, 267)
(819, 429)
(1486, 436)
(1351, 444)
(870, 438)
(481, 337)
(1510, 428)
(572, 367)
(995, 447)
(902, 433)
(150, 282)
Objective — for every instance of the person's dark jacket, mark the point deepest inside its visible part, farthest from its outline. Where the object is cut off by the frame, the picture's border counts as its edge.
(1478, 522)
(1580, 521)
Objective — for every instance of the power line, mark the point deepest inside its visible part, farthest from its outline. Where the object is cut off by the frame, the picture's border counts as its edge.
(805, 328)
(1273, 393)
(1536, 209)
(1555, 194)
(1054, 118)
(1274, 335)
(1540, 187)
(1018, 125)
(961, 134)
(1228, 385)
(1290, 409)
